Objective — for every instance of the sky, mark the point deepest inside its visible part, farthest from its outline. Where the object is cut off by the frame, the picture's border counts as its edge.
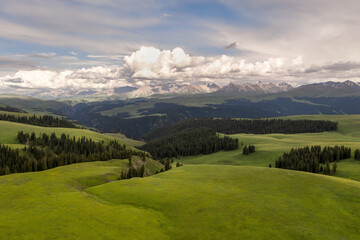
(91, 44)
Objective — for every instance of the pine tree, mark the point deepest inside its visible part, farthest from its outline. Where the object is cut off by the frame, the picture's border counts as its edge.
(327, 169)
(142, 170)
(130, 163)
(7, 170)
(334, 168)
(246, 150)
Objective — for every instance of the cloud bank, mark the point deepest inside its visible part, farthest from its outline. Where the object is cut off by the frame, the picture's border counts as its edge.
(152, 66)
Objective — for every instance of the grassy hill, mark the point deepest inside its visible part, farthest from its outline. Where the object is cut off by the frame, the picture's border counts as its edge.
(208, 198)
(190, 202)
(270, 146)
(51, 205)
(9, 132)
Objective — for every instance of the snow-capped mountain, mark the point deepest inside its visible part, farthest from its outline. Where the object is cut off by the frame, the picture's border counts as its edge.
(173, 89)
(253, 88)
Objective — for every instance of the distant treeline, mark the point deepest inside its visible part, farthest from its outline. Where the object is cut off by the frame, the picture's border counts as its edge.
(257, 126)
(45, 152)
(188, 143)
(43, 121)
(313, 159)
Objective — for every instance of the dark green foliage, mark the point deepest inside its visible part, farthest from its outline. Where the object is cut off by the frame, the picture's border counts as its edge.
(327, 169)
(189, 143)
(357, 154)
(270, 165)
(178, 164)
(257, 126)
(334, 168)
(248, 149)
(45, 152)
(142, 170)
(44, 121)
(251, 148)
(308, 159)
(166, 163)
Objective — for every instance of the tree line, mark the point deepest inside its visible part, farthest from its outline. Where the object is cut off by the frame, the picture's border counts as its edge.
(253, 126)
(314, 159)
(49, 151)
(43, 121)
(189, 143)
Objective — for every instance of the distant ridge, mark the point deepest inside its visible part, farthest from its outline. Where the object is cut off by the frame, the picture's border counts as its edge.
(253, 88)
(326, 89)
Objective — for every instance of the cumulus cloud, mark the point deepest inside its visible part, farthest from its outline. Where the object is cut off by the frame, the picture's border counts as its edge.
(152, 63)
(149, 62)
(151, 66)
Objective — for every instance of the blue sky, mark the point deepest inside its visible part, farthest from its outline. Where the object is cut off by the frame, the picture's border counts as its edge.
(263, 39)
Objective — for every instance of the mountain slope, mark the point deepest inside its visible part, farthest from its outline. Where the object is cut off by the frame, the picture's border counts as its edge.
(325, 89)
(246, 89)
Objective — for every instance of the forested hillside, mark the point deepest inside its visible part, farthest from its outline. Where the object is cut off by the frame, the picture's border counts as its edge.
(256, 126)
(313, 159)
(49, 151)
(189, 143)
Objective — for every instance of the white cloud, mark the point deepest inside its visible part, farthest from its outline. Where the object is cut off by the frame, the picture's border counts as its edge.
(149, 62)
(150, 66)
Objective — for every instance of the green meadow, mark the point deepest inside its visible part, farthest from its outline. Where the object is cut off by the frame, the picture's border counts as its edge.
(9, 130)
(225, 195)
(270, 146)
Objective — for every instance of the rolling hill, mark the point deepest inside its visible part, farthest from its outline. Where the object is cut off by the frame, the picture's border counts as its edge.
(208, 198)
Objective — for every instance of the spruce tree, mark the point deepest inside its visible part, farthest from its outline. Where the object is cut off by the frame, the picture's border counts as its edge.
(327, 169)
(334, 168)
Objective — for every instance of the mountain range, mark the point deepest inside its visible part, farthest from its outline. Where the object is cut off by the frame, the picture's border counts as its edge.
(279, 89)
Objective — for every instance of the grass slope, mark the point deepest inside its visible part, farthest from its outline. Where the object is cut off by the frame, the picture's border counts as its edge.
(190, 202)
(51, 205)
(270, 146)
(216, 201)
(124, 139)
(229, 202)
(9, 132)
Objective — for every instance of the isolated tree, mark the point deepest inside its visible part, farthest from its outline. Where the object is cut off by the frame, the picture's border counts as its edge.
(357, 154)
(334, 168)
(142, 170)
(130, 163)
(246, 150)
